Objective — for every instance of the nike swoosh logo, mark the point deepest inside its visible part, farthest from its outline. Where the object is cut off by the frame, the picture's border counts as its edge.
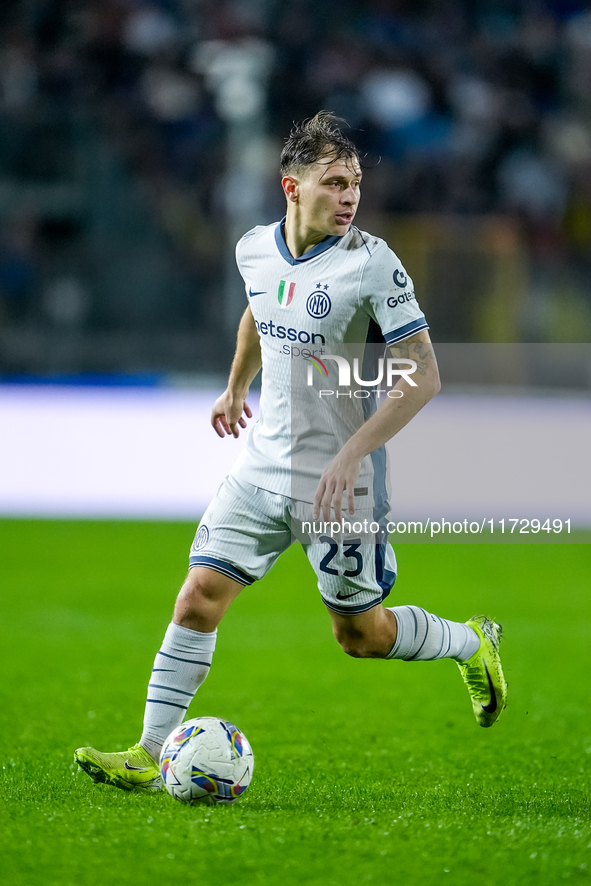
(491, 707)
(135, 768)
(251, 293)
(347, 596)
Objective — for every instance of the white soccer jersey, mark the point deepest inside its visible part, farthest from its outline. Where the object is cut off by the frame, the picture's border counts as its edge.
(340, 291)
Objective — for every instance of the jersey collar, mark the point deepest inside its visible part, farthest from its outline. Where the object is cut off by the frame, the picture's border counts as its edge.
(312, 253)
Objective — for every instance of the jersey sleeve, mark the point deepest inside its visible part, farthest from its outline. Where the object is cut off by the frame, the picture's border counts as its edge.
(387, 295)
(245, 254)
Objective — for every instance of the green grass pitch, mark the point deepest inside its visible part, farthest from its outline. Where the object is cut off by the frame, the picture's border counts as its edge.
(366, 771)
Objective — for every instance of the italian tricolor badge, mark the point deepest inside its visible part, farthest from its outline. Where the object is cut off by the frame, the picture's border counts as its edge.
(285, 293)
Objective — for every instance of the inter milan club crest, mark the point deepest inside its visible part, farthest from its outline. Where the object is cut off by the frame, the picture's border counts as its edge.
(201, 538)
(318, 303)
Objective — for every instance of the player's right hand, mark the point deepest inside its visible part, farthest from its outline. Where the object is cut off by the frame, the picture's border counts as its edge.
(227, 414)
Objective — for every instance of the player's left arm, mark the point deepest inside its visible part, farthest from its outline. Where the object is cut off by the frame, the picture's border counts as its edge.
(393, 414)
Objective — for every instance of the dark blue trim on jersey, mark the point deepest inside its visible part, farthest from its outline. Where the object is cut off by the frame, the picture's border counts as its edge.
(362, 237)
(381, 506)
(312, 253)
(384, 577)
(374, 336)
(221, 566)
(352, 610)
(404, 331)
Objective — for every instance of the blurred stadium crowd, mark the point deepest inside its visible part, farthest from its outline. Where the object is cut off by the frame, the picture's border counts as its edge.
(116, 191)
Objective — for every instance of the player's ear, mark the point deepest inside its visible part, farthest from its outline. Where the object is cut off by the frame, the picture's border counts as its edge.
(291, 188)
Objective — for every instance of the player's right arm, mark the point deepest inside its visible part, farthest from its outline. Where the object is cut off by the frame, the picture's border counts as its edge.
(227, 412)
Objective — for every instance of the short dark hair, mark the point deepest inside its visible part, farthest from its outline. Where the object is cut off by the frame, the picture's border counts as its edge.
(314, 139)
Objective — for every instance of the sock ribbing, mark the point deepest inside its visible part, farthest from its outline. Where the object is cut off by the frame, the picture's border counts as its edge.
(180, 667)
(423, 636)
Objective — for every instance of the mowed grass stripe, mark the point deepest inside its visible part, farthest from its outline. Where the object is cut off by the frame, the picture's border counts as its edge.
(366, 771)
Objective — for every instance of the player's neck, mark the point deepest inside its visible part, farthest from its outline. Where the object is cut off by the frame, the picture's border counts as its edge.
(298, 236)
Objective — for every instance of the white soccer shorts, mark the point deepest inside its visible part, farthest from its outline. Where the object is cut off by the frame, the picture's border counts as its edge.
(246, 528)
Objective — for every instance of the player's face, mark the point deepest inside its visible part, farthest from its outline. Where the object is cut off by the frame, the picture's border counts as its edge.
(329, 195)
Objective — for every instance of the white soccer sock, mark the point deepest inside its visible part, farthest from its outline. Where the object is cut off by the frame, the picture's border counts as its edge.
(180, 667)
(424, 637)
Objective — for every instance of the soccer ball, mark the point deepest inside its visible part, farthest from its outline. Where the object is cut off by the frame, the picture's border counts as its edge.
(206, 760)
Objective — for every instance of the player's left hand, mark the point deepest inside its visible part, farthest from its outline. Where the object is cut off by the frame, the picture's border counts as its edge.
(338, 477)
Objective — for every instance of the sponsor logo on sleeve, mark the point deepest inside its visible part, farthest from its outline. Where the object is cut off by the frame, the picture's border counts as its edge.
(400, 278)
(400, 299)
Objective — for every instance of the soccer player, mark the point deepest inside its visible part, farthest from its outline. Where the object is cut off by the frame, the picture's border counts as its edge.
(310, 279)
